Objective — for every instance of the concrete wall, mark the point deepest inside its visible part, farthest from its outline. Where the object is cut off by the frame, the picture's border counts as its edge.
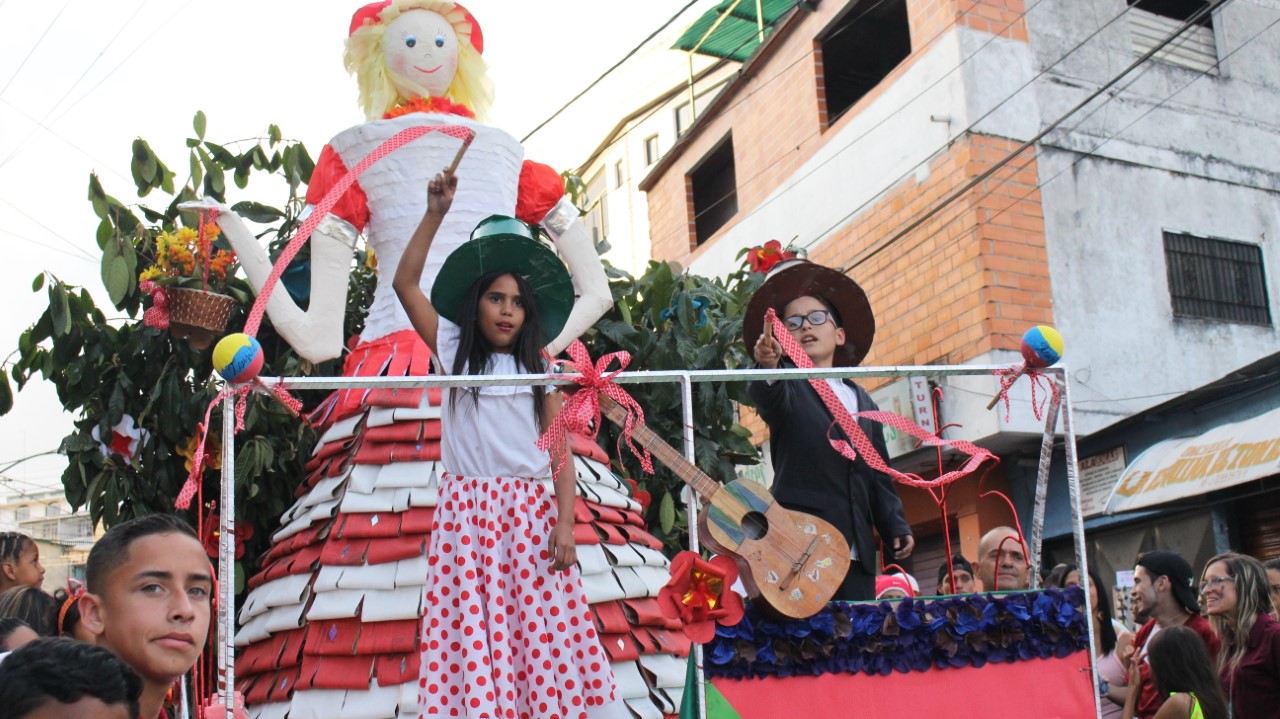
(1205, 162)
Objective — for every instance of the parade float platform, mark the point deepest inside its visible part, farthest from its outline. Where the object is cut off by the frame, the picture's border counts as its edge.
(1020, 654)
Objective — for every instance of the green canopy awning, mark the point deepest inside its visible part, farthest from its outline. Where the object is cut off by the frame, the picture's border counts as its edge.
(738, 34)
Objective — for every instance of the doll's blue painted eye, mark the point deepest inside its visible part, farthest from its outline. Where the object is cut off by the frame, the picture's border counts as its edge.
(410, 41)
(439, 40)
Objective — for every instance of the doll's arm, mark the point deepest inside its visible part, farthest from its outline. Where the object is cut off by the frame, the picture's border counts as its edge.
(315, 334)
(589, 282)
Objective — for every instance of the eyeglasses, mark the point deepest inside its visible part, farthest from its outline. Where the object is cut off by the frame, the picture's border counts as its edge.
(1215, 583)
(815, 318)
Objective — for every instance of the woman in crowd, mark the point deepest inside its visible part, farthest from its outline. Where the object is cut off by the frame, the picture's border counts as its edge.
(1237, 600)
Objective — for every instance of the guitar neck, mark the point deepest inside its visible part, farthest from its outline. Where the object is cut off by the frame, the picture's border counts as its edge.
(687, 471)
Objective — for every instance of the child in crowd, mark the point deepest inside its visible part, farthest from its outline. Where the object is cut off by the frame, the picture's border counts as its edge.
(1183, 673)
(19, 562)
(14, 633)
(69, 612)
(32, 605)
(59, 677)
(505, 601)
(149, 585)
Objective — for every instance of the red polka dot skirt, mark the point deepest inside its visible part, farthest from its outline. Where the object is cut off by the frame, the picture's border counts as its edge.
(503, 636)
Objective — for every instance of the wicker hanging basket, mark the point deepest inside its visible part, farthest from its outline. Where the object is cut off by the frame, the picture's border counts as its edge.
(198, 316)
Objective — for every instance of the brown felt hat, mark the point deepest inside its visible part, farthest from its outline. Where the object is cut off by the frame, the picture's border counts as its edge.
(800, 278)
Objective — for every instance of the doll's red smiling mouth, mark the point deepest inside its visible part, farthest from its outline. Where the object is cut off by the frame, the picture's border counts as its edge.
(428, 72)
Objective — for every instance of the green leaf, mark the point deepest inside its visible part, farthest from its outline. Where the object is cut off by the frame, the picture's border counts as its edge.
(144, 167)
(6, 393)
(59, 311)
(257, 212)
(105, 232)
(38, 283)
(273, 132)
(197, 172)
(667, 513)
(116, 277)
(199, 124)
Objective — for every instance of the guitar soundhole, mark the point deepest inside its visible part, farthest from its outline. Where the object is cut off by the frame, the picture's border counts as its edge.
(755, 525)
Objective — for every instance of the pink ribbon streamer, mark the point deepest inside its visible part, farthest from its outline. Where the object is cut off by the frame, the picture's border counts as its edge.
(157, 315)
(1009, 375)
(977, 455)
(581, 411)
(318, 213)
(238, 394)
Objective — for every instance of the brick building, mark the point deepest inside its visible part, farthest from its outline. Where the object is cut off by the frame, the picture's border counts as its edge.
(856, 128)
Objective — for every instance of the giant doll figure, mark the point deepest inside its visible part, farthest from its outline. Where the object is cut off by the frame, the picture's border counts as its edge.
(332, 622)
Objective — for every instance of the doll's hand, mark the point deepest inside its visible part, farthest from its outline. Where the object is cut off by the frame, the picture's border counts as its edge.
(563, 550)
(202, 204)
(440, 193)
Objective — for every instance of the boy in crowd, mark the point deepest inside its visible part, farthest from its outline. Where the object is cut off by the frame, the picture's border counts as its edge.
(148, 588)
(962, 571)
(827, 314)
(58, 677)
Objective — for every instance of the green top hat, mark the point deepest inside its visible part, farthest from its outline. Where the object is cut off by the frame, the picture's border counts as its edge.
(505, 244)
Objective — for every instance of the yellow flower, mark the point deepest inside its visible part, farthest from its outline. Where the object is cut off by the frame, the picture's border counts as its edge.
(371, 259)
(212, 455)
(151, 273)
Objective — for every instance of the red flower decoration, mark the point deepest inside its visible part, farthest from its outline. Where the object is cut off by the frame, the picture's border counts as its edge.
(699, 595)
(213, 533)
(762, 259)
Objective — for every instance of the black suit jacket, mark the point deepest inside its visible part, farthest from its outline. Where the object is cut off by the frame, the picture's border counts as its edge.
(811, 476)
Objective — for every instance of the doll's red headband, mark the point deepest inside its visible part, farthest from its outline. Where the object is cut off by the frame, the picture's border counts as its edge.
(372, 14)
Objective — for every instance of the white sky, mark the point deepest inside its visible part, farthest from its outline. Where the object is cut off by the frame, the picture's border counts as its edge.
(80, 79)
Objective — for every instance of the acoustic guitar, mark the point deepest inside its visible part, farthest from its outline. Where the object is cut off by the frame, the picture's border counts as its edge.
(791, 561)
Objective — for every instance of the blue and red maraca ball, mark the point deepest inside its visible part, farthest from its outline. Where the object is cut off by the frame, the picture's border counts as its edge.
(237, 357)
(1042, 346)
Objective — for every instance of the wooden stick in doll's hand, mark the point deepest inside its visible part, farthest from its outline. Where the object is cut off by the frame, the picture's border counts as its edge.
(466, 142)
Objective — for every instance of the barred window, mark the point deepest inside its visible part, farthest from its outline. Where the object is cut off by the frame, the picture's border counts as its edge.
(1216, 279)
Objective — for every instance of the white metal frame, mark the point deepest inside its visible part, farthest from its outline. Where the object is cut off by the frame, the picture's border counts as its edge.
(1060, 404)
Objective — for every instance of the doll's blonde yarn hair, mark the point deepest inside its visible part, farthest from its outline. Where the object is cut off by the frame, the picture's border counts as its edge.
(378, 94)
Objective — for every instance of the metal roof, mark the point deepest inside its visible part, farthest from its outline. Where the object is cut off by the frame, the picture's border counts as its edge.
(730, 30)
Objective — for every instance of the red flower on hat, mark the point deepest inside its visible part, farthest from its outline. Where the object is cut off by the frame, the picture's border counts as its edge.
(699, 595)
(762, 259)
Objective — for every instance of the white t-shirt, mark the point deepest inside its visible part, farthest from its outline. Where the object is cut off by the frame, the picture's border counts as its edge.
(496, 436)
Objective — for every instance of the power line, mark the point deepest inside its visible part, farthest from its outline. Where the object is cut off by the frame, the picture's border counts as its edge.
(32, 51)
(606, 73)
(981, 177)
(46, 246)
(128, 22)
(928, 43)
(51, 231)
(69, 143)
(1095, 148)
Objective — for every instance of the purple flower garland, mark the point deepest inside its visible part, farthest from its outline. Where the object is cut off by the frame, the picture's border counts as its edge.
(909, 635)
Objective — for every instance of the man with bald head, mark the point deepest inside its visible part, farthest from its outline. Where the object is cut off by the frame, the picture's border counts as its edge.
(1002, 561)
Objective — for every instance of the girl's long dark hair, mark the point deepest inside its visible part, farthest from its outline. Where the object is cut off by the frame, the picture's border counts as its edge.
(474, 351)
(1106, 630)
(1180, 663)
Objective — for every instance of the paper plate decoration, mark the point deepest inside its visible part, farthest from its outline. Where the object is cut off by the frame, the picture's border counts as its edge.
(1041, 346)
(238, 358)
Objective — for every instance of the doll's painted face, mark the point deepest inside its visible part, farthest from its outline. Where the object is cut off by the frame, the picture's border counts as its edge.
(422, 53)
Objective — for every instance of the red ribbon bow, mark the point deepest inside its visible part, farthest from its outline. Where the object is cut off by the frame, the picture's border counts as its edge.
(1009, 375)
(158, 314)
(581, 412)
(977, 455)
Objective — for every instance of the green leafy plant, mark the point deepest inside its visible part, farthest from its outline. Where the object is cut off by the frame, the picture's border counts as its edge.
(669, 319)
(125, 381)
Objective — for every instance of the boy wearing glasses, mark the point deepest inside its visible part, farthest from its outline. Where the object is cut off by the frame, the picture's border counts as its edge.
(829, 316)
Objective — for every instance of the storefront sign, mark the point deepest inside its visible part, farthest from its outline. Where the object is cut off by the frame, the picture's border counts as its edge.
(1098, 476)
(1222, 457)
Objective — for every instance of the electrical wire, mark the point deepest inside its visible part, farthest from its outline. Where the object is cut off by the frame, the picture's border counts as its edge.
(32, 51)
(945, 202)
(606, 73)
(51, 231)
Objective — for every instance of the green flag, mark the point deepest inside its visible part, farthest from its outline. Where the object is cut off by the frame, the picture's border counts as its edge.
(717, 706)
